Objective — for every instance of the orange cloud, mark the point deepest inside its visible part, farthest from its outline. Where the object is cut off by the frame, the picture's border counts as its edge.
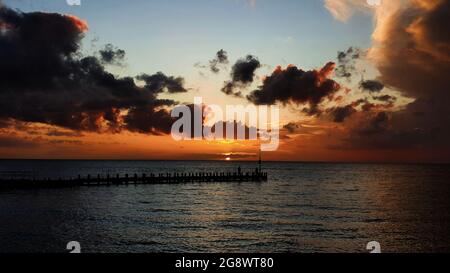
(82, 25)
(342, 10)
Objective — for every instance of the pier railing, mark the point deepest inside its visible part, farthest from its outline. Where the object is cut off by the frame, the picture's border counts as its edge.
(135, 179)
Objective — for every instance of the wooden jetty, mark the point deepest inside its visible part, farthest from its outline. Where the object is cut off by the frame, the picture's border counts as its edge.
(161, 178)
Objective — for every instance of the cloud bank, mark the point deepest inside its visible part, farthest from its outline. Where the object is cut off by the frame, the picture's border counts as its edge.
(296, 86)
(45, 78)
(411, 51)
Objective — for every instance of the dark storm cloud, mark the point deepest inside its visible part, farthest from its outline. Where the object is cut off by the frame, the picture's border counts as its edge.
(142, 120)
(368, 107)
(159, 83)
(385, 98)
(376, 131)
(4, 123)
(243, 70)
(413, 56)
(14, 142)
(220, 59)
(237, 125)
(229, 89)
(242, 75)
(111, 55)
(44, 78)
(215, 65)
(293, 85)
(339, 114)
(59, 133)
(376, 125)
(291, 127)
(215, 126)
(371, 86)
(346, 62)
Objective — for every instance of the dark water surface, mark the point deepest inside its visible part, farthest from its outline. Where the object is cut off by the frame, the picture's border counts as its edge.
(303, 208)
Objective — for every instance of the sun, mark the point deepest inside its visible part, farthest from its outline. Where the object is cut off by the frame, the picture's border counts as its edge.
(228, 159)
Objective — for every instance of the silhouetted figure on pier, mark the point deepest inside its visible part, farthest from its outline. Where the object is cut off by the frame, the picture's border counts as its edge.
(239, 170)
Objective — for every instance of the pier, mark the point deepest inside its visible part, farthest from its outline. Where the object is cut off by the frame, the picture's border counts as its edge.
(135, 179)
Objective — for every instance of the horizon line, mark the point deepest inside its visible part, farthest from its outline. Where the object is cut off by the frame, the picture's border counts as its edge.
(235, 161)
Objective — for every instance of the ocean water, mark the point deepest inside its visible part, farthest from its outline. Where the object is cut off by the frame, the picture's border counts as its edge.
(304, 207)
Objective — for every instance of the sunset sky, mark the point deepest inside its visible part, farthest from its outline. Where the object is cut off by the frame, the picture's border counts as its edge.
(355, 81)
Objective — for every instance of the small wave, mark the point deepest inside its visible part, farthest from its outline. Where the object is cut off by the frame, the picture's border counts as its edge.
(318, 230)
(376, 220)
(142, 243)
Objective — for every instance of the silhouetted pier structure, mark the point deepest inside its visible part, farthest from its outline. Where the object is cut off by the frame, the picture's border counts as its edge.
(135, 179)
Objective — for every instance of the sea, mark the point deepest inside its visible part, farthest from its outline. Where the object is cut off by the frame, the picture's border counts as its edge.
(302, 208)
